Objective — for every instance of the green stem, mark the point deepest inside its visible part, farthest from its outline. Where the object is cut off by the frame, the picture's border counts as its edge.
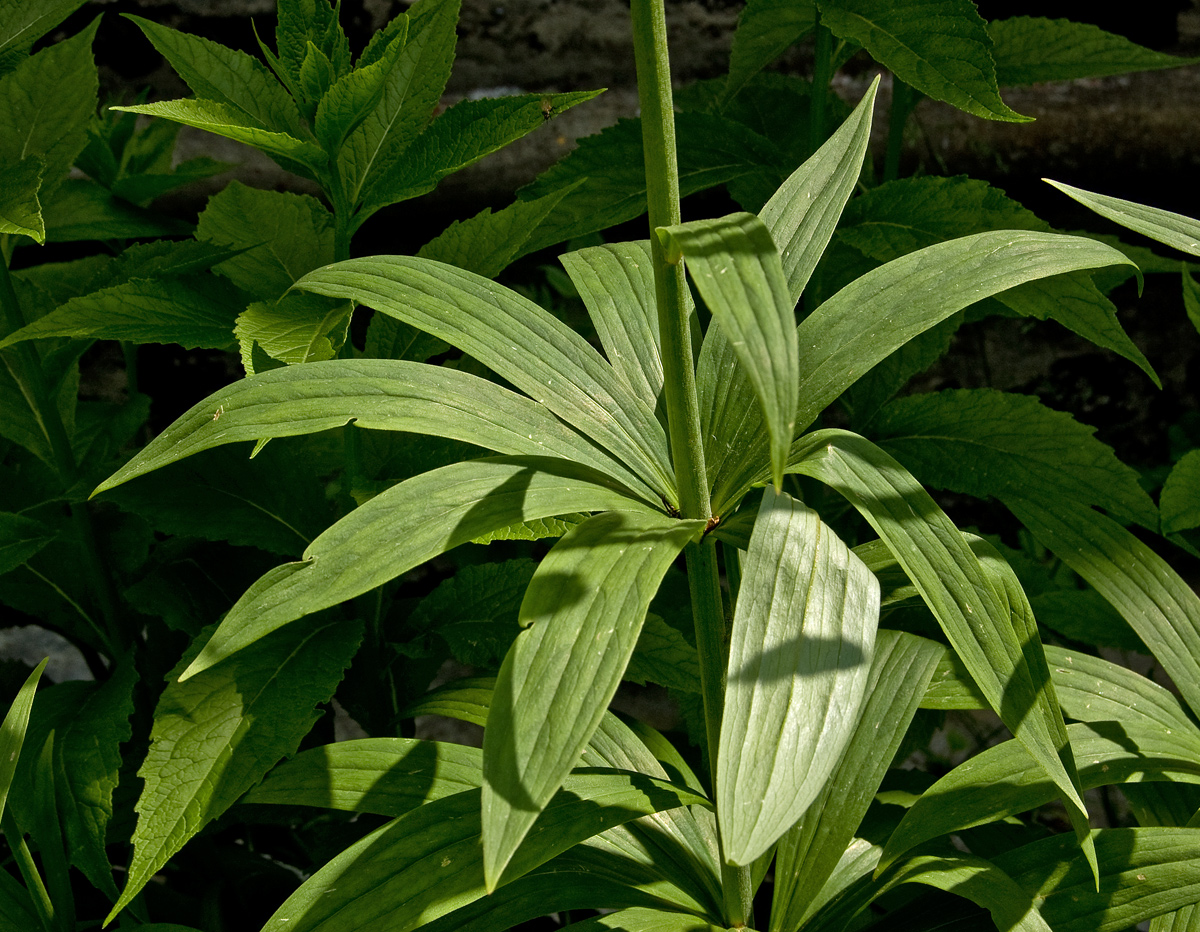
(29, 872)
(822, 74)
(903, 100)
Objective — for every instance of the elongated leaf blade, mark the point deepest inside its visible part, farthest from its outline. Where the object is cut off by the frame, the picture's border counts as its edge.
(24, 23)
(974, 615)
(765, 29)
(1174, 230)
(427, 862)
(402, 528)
(940, 47)
(799, 660)
(584, 609)
(737, 269)
(12, 730)
(215, 735)
(379, 395)
(519, 341)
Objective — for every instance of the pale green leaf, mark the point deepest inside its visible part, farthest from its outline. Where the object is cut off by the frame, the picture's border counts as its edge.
(459, 137)
(428, 861)
(402, 528)
(20, 539)
(12, 730)
(643, 919)
(387, 776)
(226, 76)
(583, 610)
(23, 23)
(298, 328)
(20, 209)
(80, 209)
(193, 311)
(812, 851)
(735, 266)
(380, 395)
(291, 152)
(46, 102)
(664, 656)
(279, 236)
(533, 530)
(765, 29)
(215, 735)
(799, 660)
(1030, 50)
(518, 340)
(993, 444)
(1180, 500)
(1174, 230)
(940, 47)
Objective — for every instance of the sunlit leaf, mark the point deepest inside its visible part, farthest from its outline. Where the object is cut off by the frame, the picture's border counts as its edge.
(20, 209)
(20, 539)
(1174, 230)
(1180, 500)
(12, 730)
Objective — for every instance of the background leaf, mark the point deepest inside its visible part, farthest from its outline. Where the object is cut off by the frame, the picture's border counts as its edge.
(20, 539)
(765, 29)
(1180, 501)
(1175, 230)
(12, 730)
(20, 209)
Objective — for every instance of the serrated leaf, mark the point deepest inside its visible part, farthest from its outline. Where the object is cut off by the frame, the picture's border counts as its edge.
(663, 656)
(191, 310)
(583, 611)
(459, 137)
(735, 266)
(20, 539)
(1030, 50)
(1180, 500)
(765, 29)
(47, 101)
(519, 341)
(215, 735)
(353, 96)
(534, 530)
(20, 209)
(292, 153)
(420, 866)
(225, 76)
(802, 639)
(83, 210)
(298, 328)
(303, 23)
(22, 24)
(1174, 230)
(992, 444)
(146, 187)
(475, 611)
(939, 47)
(12, 730)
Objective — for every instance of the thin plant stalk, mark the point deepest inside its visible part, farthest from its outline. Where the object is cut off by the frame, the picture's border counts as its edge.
(822, 74)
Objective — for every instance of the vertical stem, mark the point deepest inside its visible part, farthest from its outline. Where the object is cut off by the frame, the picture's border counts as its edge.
(903, 101)
(822, 73)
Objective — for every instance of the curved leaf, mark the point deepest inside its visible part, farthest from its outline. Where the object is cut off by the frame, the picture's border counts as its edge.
(799, 660)
(765, 29)
(1174, 230)
(12, 730)
(403, 527)
(585, 606)
(519, 341)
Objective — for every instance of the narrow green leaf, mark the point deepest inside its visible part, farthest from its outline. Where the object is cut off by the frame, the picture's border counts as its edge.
(584, 610)
(353, 96)
(1180, 499)
(1030, 50)
(1158, 605)
(973, 614)
(291, 152)
(379, 395)
(226, 76)
(387, 776)
(17, 913)
(80, 209)
(940, 47)
(737, 269)
(765, 29)
(298, 328)
(22, 24)
(616, 283)
(20, 539)
(20, 209)
(459, 137)
(519, 341)
(215, 735)
(402, 528)
(12, 730)
(1174, 230)
(642, 919)
(813, 850)
(428, 861)
(799, 660)
(992, 444)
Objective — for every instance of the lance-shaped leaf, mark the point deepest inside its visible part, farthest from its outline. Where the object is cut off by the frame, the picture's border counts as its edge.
(940, 47)
(799, 659)
(519, 341)
(379, 394)
(643, 919)
(867, 320)
(428, 861)
(1174, 230)
(1159, 606)
(402, 528)
(20, 209)
(765, 29)
(737, 269)
(215, 735)
(811, 851)
(974, 615)
(616, 283)
(12, 730)
(584, 607)
(353, 96)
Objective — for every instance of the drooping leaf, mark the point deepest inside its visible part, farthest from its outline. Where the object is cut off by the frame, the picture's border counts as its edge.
(20, 539)
(519, 341)
(737, 269)
(939, 47)
(1180, 500)
(1174, 230)
(765, 29)
(583, 611)
(225, 76)
(1030, 50)
(215, 735)
(801, 645)
(991, 444)
(20, 209)
(12, 730)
